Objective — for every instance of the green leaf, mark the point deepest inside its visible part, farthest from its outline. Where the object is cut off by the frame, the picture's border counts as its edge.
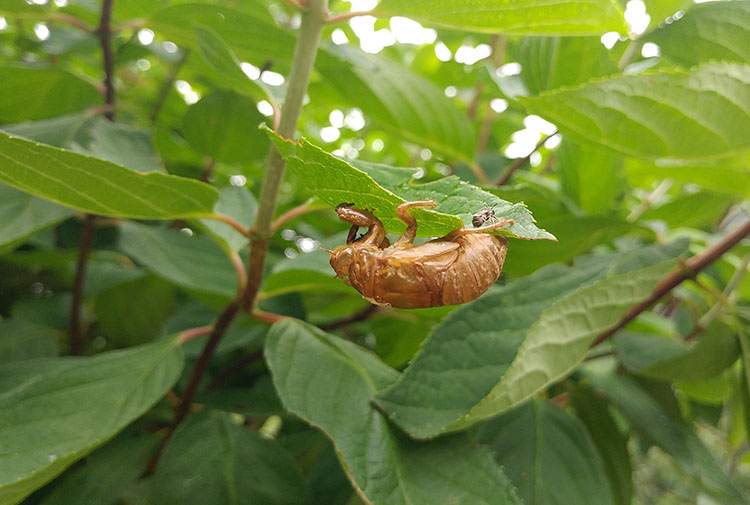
(22, 215)
(549, 455)
(591, 177)
(554, 62)
(238, 203)
(124, 146)
(196, 263)
(98, 186)
(647, 115)
(518, 340)
(692, 210)
(213, 460)
(57, 131)
(389, 469)
(22, 340)
(659, 10)
(609, 441)
(517, 17)
(726, 177)
(714, 31)
(107, 471)
(673, 437)
(335, 181)
(39, 93)
(665, 358)
(224, 126)
(267, 43)
(399, 101)
(89, 399)
(131, 313)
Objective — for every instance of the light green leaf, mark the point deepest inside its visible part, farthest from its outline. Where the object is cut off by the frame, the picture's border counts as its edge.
(196, 263)
(98, 186)
(609, 441)
(267, 43)
(512, 17)
(224, 126)
(549, 455)
(124, 146)
(22, 215)
(693, 210)
(554, 62)
(518, 340)
(726, 177)
(400, 101)
(22, 340)
(238, 203)
(675, 438)
(387, 467)
(107, 471)
(91, 400)
(714, 31)
(295, 281)
(648, 115)
(591, 177)
(659, 10)
(669, 359)
(230, 464)
(335, 181)
(39, 93)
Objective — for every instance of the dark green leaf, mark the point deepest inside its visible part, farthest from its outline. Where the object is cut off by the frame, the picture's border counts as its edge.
(22, 215)
(549, 455)
(55, 411)
(124, 146)
(388, 468)
(591, 177)
(57, 131)
(98, 186)
(238, 203)
(21, 340)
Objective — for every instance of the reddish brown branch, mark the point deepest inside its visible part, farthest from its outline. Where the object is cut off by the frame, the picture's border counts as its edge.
(360, 315)
(505, 176)
(222, 323)
(76, 337)
(104, 32)
(687, 270)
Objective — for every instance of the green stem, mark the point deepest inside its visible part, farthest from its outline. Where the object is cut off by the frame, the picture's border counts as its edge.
(313, 21)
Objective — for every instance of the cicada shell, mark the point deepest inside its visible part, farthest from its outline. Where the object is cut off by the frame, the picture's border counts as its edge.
(450, 270)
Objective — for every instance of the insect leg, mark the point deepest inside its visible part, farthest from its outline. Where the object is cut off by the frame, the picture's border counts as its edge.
(411, 224)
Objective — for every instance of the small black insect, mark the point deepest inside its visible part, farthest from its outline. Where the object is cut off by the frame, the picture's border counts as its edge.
(484, 215)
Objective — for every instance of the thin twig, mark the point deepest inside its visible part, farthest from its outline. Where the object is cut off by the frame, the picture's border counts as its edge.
(166, 86)
(229, 220)
(505, 176)
(221, 325)
(360, 315)
(471, 110)
(239, 268)
(71, 20)
(131, 24)
(691, 267)
(485, 131)
(478, 171)
(105, 40)
(294, 4)
(191, 333)
(297, 211)
(346, 16)
(266, 317)
(80, 276)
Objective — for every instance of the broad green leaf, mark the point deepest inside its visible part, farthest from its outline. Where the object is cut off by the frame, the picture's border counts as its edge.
(554, 62)
(518, 340)
(22, 340)
(591, 177)
(219, 56)
(609, 441)
(224, 126)
(98, 186)
(124, 146)
(693, 210)
(90, 400)
(266, 43)
(295, 281)
(335, 181)
(131, 313)
(669, 359)
(673, 437)
(57, 131)
(39, 93)
(400, 101)
(214, 460)
(14, 8)
(307, 365)
(22, 215)
(193, 262)
(238, 203)
(660, 10)
(699, 113)
(549, 455)
(107, 471)
(725, 177)
(714, 31)
(512, 17)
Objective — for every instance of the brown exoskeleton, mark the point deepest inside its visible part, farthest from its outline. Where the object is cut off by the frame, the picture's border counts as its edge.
(450, 270)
